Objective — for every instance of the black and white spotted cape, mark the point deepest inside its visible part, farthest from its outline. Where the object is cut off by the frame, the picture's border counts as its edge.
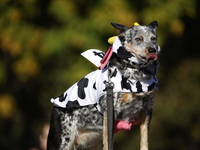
(89, 89)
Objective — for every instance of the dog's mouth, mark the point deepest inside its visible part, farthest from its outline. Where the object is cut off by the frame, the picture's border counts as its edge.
(152, 56)
(149, 57)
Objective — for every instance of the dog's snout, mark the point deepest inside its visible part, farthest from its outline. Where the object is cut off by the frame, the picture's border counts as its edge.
(151, 50)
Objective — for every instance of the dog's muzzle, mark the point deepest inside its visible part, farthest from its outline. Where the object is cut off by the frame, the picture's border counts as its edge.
(152, 54)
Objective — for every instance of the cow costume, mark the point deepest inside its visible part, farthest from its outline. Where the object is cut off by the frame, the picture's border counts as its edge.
(89, 89)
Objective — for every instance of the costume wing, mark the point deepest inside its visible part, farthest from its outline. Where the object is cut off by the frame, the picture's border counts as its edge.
(94, 56)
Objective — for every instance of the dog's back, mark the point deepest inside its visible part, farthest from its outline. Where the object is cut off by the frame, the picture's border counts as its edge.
(133, 65)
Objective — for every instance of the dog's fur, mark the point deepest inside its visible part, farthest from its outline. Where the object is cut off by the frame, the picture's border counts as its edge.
(81, 128)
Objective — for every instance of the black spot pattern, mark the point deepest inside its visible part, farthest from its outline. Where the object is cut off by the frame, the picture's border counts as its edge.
(152, 86)
(94, 86)
(100, 54)
(122, 53)
(139, 87)
(114, 73)
(72, 104)
(83, 83)
(62, 97)
(124, 84)
(105, 85)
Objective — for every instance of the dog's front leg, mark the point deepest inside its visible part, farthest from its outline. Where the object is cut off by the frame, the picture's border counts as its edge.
(145, 118)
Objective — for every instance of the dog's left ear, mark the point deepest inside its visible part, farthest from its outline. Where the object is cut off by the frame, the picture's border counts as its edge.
(121, 28)
(154, 24)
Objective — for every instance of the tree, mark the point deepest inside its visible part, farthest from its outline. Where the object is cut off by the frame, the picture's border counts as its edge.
(40, 46)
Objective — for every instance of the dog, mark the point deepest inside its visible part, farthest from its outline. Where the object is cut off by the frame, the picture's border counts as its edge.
(131, 64)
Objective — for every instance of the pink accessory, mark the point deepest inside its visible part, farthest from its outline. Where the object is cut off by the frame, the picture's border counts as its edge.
(123, 126)
(106, 58)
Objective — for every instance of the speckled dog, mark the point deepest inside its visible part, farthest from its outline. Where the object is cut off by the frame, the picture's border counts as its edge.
(77, 116)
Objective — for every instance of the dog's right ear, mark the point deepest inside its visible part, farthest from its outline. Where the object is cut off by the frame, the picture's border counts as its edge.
(121, 28)
(154, 24)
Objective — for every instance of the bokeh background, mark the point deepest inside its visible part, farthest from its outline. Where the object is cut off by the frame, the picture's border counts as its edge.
(40, 46)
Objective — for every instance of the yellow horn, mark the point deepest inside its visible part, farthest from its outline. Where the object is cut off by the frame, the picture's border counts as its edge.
(136, 24)
(111, 39)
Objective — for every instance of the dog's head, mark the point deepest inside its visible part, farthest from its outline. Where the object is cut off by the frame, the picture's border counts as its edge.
(140, 41)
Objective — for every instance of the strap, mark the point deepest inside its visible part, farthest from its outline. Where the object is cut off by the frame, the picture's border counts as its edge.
(109, 125)
(110, 115)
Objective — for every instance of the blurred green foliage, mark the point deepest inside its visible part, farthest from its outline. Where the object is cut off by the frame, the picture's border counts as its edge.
(40, 46)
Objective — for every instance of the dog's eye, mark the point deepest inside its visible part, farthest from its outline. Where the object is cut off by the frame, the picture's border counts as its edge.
(153, 38)
(139, 39)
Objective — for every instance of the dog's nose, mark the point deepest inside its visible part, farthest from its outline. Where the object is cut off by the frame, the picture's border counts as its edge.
(151, 50)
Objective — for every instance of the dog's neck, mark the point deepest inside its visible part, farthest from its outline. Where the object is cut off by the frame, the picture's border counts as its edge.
(132, 70)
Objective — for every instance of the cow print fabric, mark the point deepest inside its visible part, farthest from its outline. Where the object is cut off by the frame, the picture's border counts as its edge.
(89, 89)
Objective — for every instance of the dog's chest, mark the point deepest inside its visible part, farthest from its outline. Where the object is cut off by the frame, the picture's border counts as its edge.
(128, 104)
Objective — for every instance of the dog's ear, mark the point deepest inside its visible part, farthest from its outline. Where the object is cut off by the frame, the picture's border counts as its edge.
(154, 24)
(121, 28)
